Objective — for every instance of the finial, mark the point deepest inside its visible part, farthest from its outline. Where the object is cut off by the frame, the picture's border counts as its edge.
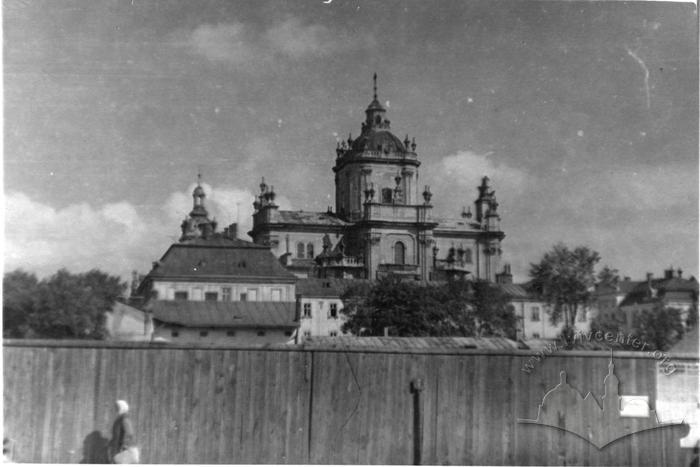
(375, 86)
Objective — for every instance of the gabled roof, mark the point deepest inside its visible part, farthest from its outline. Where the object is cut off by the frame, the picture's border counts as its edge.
(623, 287)
(228, 260)
(493, 343)
(641, 293)
(310, 218)
(314, 287)
(226, 314)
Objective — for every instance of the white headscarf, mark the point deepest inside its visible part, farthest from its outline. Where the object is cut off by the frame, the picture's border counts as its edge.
(122, 407)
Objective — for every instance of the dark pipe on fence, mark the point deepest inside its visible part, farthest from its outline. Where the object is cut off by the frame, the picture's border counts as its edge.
(416, 389)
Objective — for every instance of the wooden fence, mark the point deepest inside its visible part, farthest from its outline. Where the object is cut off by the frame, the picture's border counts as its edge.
(330, 406)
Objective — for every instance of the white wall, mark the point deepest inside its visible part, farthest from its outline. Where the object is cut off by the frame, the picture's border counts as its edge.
(196, 290)
(320, 323)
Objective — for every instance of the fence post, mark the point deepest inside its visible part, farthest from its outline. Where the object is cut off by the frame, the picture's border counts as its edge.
(416, 389)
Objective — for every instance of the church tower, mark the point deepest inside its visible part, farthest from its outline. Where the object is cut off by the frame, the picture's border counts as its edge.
(375, 166)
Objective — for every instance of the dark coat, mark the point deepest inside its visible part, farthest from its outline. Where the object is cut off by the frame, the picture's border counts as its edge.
(122, 434)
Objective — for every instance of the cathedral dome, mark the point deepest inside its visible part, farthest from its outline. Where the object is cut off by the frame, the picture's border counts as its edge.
(378, 140)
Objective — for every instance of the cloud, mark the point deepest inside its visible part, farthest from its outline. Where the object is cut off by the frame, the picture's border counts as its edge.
(238, 44)
(223, 42)
(460, 174)
(115, 237)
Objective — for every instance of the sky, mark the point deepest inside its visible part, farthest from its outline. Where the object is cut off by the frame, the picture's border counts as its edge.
(583, 114)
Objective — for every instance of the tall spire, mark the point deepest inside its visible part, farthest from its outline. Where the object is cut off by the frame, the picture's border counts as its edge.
(375, 86)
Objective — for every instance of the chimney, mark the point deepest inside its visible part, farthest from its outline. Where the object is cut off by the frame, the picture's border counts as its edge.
(668, 273)
(505, 277)
(649, 277)
(680, 273)
(232, 231)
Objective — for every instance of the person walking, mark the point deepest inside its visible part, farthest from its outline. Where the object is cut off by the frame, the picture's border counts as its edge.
(123, 449)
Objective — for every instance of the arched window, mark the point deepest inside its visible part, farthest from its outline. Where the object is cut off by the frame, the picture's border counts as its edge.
(300, 250)
(468, 256)
(387, 195)
(310, 250)
(399, 253)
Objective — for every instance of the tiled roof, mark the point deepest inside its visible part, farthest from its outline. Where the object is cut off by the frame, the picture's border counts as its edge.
(226, 314)
(232, 261)
(514, 291)
(641, 294)
(493, 343)
(623, 288)
(311, 218)
(221, 241)
(314, 287)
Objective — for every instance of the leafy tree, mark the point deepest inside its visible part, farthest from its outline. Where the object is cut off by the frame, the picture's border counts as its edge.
(608, 276)
(19, 297)
(409, 309)
(660, 328)
(65, 305)
(491, 307)
(564, 279)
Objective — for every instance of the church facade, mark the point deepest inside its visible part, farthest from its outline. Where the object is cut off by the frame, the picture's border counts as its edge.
(383, 224)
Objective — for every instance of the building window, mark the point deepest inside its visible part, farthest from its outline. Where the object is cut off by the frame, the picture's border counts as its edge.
(334, 333)
(174, 333)
(535, 335)
(535, 313)
(211, 296)
(203, 333)
(226, 294)
(288, 333)
(230, 333)
(468, 256)
(300, 250)
(307, 310)
(387, 194)
(333, 310)
(261, 333)
(307, 333)
(252, 295)
(244, 297)
(276, 295)
(399, 253)
(310, 250)
(180, 295)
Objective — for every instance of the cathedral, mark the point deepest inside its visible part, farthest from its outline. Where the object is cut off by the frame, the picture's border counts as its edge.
(383, 223)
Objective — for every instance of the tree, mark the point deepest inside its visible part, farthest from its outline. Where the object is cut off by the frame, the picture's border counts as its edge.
(19, 297)
(409, 309)
(495, 316)
(564, 279)
(65, 305)
(608, 276)
(660, 328)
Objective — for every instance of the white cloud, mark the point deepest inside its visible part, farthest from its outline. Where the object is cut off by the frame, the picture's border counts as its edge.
(238, 44)
(223, 42)
(116, 237)
(460, 174)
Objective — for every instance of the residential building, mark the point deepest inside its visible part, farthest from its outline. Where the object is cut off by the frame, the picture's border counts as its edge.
(126, 323)
(382, 224)
(213, 287)
(320, 306)
(670, 291)
(532, 313)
